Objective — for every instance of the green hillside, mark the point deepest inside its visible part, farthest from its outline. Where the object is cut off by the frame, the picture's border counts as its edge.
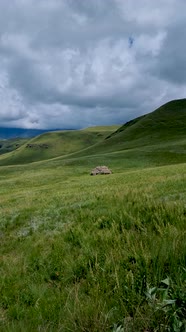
(8, 145)
(154, 135)
(54, 144)
(102, 129)
(155, 139)
(164, 126)
(166, 123)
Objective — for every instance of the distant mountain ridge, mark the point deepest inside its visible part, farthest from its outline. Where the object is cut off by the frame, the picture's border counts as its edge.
(6, 133)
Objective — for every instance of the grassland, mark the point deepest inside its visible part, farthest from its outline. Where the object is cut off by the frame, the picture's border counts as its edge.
(53, 144)
(8, 145)
(104, 253)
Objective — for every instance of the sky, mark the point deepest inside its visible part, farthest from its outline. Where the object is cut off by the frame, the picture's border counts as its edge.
(71, 64)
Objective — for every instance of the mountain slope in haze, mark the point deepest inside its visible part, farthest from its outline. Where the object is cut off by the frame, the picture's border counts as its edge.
(8, 133)
(54, 144)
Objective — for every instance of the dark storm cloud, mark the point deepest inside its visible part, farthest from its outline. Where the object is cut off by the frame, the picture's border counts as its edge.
(172, 60)
(73, 63)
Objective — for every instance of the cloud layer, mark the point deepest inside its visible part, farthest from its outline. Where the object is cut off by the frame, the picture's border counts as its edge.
(77, 63)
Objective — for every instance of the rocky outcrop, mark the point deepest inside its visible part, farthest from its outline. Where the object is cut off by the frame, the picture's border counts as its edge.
(37, 146)
(103, 170)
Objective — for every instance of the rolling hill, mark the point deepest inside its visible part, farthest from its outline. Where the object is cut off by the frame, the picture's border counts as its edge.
(54, 144)
(162, 131)
(8, 145)
(165, 125)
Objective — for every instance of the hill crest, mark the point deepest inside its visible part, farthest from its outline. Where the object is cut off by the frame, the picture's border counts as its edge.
(167, 124)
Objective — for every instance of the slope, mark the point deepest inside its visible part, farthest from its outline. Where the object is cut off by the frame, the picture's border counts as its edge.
(54, 144)
(160, 136)
(8, 145)
(165, 123)
(164, 126)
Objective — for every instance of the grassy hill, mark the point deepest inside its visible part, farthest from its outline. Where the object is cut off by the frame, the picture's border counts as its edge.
(155, 139)
(166, 123)
(8, 145)
(103, 129)
(54, 144)
(155, 134)
(164, 126)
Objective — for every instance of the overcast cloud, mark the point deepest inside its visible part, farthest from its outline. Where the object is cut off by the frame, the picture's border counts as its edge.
(78, 63)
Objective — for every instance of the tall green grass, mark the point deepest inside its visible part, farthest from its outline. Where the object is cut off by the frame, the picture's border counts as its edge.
(82, 253)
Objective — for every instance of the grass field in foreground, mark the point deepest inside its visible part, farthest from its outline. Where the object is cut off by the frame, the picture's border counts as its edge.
(82, 253)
